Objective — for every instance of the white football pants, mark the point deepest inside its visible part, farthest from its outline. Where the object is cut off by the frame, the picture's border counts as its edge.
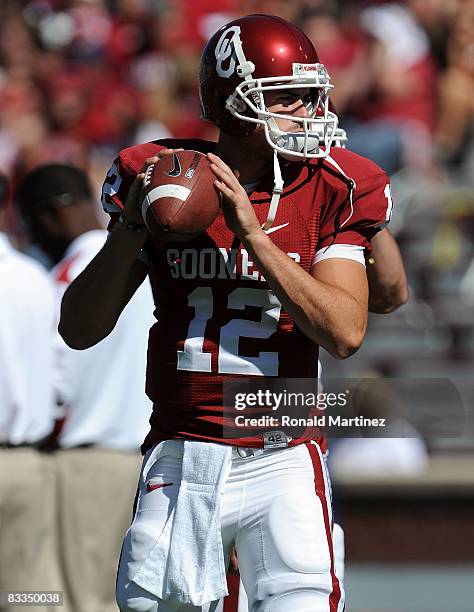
(238, 602)
(276, 508)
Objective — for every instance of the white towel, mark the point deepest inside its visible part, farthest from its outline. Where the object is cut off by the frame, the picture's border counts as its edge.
(187, 561)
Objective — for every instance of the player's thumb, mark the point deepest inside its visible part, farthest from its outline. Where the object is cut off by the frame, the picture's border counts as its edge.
(137, 185)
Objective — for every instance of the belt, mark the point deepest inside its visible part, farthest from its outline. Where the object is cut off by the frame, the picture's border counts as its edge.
(272, 441)
(175, 446)
(246, 452)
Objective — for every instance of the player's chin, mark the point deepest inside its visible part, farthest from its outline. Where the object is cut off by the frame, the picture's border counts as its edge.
(258, 144)
(265, 153)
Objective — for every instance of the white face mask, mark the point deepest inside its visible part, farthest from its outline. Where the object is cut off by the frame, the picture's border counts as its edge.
(291, 145)
(316, 132)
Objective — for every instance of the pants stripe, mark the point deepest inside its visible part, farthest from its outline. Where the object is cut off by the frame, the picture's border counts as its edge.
(231, 602)
(320, 486)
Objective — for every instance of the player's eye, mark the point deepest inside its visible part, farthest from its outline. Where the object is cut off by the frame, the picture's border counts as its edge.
(286, 98)
(289, 94)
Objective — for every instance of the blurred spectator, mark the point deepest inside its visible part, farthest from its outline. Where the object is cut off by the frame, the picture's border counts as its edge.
(385, 80)
(404, 71)
(101, 391)
(282, 8)
(197, 21)
(82, 78)
(344, 49)
(398, 451)
(435, 17)
(456, 103)
(27, 314)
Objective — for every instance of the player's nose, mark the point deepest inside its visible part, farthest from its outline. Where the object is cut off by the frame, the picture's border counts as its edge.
(300, 111)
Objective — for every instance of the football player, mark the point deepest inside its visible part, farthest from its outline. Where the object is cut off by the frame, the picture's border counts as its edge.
(388, 291)
(278, 274)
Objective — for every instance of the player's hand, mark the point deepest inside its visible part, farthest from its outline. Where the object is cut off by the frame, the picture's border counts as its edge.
(132, 210)
(238, 210)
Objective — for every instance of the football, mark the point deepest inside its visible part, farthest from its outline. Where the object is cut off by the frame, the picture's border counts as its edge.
(180, 200)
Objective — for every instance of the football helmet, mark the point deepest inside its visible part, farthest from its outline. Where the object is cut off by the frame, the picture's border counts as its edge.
(340, 138)
(257, 54)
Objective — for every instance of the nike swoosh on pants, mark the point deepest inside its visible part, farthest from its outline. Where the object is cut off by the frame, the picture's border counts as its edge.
(151, 487)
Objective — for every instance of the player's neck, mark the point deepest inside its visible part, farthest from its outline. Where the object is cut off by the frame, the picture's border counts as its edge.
(240, 155)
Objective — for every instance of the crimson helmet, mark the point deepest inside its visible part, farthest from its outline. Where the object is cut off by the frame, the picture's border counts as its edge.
(260, 53)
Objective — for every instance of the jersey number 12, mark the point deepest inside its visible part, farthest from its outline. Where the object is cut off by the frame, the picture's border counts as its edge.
(193, 358)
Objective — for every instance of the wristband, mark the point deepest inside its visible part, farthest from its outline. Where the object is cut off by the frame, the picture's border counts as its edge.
(133, 227)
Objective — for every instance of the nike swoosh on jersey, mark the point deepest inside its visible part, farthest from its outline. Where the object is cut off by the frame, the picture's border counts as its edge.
(152, 487)
(274, 229)
(176, 167)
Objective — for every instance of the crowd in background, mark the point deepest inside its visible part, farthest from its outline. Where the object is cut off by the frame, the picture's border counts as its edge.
(81, 79)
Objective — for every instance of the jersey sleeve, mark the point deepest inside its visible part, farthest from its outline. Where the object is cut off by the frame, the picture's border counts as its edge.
(123, 171)
(365, 209)
(115, 189)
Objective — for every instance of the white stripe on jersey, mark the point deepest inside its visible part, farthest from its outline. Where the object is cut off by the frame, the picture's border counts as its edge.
(341, 251)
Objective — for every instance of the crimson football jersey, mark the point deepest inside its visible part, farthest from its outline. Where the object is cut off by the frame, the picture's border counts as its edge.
(217, 318)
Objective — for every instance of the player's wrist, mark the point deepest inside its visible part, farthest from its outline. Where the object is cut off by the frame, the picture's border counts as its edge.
(136, 239)
(255, 238)
(132, 224)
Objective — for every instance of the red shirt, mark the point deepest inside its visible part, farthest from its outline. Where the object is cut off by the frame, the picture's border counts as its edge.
(217, 318)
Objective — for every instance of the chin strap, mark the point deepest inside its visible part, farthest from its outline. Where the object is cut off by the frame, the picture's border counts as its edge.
(352, 187)
(276, 193)
(278, 184)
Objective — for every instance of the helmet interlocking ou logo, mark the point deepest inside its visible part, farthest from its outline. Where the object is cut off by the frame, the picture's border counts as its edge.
(226, 51)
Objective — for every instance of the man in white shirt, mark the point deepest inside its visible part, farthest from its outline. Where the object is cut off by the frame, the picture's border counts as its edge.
(102, 391)
(27, 315)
